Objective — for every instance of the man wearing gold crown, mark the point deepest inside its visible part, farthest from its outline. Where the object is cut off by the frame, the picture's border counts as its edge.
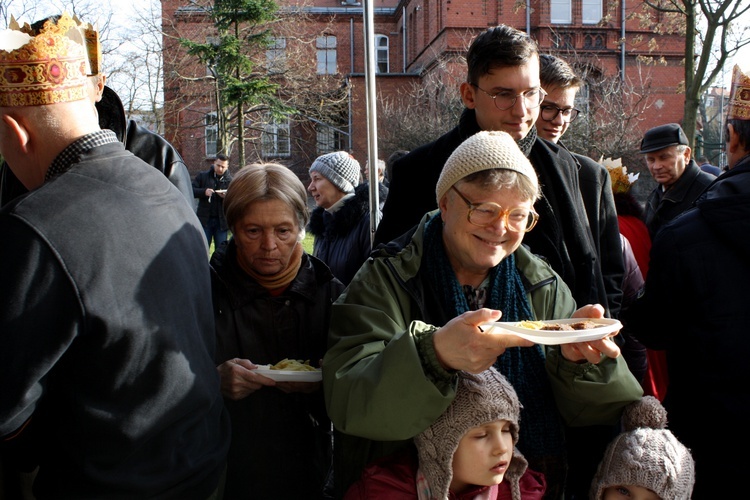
(105, 383)
(695, 308)
(145, 144)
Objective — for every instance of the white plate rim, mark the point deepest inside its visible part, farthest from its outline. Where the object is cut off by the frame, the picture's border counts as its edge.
(291, 375)
(556, 337)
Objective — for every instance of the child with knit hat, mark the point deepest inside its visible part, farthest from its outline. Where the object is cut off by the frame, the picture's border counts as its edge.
(646, 461)
(467, 453)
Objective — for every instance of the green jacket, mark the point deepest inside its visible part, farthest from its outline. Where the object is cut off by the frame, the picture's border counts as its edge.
(381, 377)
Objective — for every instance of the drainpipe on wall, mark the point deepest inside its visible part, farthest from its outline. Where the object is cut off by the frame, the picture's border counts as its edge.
(622, 43)
(351, 45)
(403, 40)
(528, 17)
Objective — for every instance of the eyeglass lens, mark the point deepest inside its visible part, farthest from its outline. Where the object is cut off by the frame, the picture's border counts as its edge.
(516, 219)
(549, 113)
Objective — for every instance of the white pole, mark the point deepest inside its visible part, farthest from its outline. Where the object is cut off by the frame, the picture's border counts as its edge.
(372, 129)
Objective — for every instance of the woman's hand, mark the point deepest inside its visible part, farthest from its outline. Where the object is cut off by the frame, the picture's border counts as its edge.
(590, 351)
(463, 344)
(239, 378)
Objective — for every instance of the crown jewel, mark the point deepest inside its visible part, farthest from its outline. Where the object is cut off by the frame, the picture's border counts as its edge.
(739, 96)
(47, 67)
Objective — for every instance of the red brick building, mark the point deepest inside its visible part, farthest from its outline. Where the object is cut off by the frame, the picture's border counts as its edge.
(415, 40)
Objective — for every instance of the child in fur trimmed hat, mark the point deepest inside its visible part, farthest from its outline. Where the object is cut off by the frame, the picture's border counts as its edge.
(467, 453)
(646, 461)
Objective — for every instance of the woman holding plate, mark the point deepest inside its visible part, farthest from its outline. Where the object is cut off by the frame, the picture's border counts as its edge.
(272, 301)
(421, 310)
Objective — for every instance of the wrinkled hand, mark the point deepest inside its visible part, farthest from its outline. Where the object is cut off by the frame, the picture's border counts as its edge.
(462, 345)
(590, 351)
(239, 378)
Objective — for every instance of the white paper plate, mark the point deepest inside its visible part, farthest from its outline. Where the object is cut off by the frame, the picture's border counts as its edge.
(555, 337)
(291, 375)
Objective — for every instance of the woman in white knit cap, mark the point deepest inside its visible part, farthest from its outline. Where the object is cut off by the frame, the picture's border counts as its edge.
(467, 453)
(416, 314)
(646, 461)
(341, 221)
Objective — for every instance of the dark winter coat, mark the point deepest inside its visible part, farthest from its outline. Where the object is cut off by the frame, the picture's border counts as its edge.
(663, 207)
(212, 206)
(695, 307)
(281, 443)
(342, 239)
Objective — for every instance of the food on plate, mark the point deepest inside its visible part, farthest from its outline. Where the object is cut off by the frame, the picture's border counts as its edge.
(531, 325)
(294, 365)
(579, 325)
(541, 325)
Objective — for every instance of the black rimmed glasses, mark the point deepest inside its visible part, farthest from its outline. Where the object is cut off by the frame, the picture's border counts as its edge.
(506, 99)
(517, 220)
(549, 112)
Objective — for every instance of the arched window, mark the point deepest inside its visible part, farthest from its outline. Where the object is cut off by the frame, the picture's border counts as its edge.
(381, 54)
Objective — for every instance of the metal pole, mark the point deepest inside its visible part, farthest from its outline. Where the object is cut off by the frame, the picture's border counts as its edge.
(372, 129)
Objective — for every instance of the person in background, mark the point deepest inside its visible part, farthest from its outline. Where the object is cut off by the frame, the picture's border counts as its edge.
(382, 182)
(107, 385)
(341, 221)
(680, 180)
(210, 187)
(646, 461)
(418, 312)
(468, 452)
(630, 216)
(556, 113)
(706, 166)
(272, 301)
(142, 142)
(694, 307)
(503, 92)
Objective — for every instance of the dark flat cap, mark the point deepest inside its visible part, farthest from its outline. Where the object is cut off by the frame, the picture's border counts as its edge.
(662, 137)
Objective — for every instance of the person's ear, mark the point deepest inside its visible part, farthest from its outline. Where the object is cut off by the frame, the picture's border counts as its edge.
(468, 95)
(100, 82)
(733, 140)
(17, 132)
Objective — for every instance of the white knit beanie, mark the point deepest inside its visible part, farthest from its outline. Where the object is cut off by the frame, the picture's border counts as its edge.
(340, 168)
(480, 399)
(484, 150)
(646, 454)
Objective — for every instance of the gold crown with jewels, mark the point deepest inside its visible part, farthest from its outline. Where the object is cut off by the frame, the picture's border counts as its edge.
(50, 66)
(739, 96)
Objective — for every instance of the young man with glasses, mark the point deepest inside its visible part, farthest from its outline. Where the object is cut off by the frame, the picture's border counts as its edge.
(557, 112)
(503, 92)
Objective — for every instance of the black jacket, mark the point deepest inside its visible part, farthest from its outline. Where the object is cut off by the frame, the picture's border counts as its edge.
(211, 206)
(662, 208)
(342, 239)
(281, 443)
(695, 307)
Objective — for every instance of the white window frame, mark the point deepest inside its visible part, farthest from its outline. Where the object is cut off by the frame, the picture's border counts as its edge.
(591, 11)
(276, 55)
(211, 124)
(561, 12)
(382, 54)
(326, 139)
(326, 54)
(276, 141)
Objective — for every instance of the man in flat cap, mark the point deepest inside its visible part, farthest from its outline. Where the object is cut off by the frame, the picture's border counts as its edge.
(695, 309)
(680, 179)
(105, 383)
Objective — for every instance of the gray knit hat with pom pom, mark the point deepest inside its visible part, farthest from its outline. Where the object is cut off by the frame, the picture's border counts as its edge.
(646, 454)
(484, 150)
(480, 399)
(340, 168)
